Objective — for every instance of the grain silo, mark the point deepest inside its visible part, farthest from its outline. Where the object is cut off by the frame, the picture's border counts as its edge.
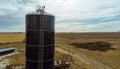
(39, 40)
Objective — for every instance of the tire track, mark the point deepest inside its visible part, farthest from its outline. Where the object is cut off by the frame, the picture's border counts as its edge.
(85, 59)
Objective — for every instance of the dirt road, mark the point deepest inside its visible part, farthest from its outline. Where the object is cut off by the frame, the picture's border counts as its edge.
(85, 59)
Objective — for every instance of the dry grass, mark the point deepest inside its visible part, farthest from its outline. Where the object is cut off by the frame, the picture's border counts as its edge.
(75, 65)
(14, 40)
(63, 40)
(18, 58)
(11, 37)
(109, 57)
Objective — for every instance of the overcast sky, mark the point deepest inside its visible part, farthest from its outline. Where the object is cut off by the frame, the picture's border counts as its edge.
(71, 15)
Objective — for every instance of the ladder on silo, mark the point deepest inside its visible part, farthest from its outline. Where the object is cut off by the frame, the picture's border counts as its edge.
(41, 48)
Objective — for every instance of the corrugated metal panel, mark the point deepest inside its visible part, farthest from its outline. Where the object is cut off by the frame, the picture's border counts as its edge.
(7, 49)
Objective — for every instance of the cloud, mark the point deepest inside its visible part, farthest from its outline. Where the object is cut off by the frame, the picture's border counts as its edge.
(71, 15)
(79, 27)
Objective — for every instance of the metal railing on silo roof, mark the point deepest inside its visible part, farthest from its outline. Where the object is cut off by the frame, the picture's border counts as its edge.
(39, 40)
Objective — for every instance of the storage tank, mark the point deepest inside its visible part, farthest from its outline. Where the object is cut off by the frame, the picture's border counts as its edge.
(40, 39)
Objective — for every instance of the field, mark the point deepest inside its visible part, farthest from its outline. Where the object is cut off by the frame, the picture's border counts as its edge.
(110, 57)
(11, 37)
(82, 58)
(14, 40)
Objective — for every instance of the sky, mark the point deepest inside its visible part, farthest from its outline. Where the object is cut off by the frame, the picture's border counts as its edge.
(70, 15)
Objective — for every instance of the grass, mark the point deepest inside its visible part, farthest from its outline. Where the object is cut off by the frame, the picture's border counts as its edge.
(63, 40)
(109, 57)
(14, 40)
(11, 37)
(75, 65)
(18, 58)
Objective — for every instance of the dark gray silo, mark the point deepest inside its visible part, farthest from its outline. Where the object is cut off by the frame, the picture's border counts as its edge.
(40, 40)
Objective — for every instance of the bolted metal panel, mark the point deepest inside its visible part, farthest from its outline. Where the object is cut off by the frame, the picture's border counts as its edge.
(40, 41)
